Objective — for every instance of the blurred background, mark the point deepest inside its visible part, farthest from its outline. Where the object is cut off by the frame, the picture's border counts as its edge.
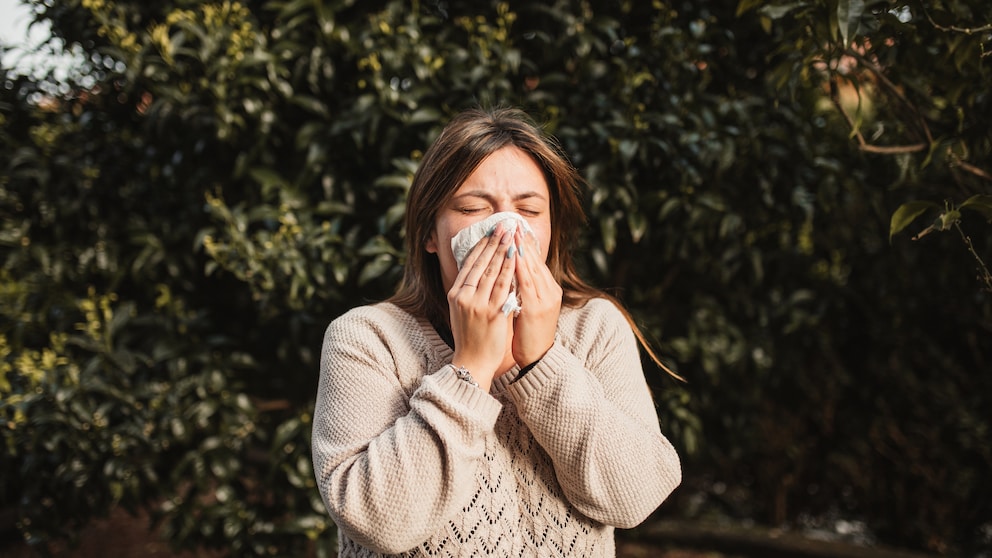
(794, 198)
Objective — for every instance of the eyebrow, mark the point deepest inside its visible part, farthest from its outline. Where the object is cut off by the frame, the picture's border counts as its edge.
(487, 196)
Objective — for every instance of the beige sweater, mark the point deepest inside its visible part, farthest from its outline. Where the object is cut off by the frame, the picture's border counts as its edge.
(411, 460)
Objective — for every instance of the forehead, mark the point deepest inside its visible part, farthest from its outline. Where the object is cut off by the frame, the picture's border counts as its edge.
(509, 170)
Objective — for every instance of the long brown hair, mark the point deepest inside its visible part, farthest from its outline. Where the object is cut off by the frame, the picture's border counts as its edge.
(463, 144)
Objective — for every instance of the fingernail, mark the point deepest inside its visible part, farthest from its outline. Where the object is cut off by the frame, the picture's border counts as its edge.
(510, 252)
(521, 250)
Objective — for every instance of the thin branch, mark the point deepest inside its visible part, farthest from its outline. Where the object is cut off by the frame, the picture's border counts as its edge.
(953, 28)
(983, 271)
(956, 29)
(893, 149)
(972, 169)
(264, 406)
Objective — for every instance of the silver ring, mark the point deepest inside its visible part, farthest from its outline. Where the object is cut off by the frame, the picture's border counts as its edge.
(467, 285)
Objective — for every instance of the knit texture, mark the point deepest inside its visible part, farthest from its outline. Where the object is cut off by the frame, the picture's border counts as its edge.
(412, 461)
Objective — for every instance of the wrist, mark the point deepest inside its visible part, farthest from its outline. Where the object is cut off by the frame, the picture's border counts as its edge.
(529, 367)
(464, 374)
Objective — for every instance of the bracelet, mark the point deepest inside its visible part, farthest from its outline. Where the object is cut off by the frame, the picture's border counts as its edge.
(464, 374)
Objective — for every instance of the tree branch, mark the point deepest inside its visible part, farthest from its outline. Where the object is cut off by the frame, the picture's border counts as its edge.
(953, 28)
(956, 29)
(892, 149)
(972, 169)
(983, 271)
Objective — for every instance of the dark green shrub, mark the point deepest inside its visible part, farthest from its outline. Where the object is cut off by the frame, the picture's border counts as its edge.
(219, 180)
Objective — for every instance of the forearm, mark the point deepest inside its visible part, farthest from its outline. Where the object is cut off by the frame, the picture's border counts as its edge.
(390, 484)
(611, 459)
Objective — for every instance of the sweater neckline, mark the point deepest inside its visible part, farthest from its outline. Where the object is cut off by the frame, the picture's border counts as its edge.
(437, 343)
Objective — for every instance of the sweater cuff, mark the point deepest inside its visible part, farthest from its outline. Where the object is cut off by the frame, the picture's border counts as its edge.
(553, 364)
(480, 403)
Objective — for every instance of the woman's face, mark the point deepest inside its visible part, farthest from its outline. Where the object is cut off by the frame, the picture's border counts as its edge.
(507, 180)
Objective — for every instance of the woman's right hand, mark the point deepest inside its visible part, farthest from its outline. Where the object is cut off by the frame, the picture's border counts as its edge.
(481, 332)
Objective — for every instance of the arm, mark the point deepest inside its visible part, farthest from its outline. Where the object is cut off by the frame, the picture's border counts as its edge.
(392, 468)
(594, 416)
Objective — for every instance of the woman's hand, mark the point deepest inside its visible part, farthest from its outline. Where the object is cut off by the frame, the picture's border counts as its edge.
(480, 330)
(540, 300)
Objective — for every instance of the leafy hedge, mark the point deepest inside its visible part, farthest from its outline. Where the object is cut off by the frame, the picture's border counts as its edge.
(184, 214)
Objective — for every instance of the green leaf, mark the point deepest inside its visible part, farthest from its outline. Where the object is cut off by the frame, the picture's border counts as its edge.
(980, 203)
(267, 177)
(421, 116)
(392, 181)
(311, 104)
(638, 225)
(778, 12)
(608, 232)
(745, 6)
(948, 219)
(375, 268)
(907, 213)
(849, 14)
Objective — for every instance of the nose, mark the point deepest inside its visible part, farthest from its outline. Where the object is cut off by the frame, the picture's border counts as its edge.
(504, 205)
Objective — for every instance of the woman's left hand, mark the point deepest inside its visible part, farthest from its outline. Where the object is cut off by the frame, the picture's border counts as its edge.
(540, 300)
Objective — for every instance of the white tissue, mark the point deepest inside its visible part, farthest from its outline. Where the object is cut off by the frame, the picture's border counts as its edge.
(467, 238)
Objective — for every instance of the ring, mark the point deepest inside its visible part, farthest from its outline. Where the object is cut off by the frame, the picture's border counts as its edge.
(467, 285)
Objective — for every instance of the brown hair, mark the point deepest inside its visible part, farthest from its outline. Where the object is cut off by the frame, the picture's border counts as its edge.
(463, 144)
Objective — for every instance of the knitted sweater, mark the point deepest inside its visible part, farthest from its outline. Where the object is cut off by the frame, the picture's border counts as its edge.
(411, 460)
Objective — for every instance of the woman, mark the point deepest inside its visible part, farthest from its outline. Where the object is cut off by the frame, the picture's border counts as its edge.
(446, 426)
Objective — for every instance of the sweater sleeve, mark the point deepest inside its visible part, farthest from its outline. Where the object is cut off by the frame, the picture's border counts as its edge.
(595, 418)
(392, 467)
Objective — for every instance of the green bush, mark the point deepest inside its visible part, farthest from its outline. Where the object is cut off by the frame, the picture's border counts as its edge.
(184, 214)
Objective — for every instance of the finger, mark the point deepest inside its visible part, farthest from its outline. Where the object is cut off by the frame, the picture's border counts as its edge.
(462, 279)
(478, 259)
(526, 275)
(504, 280)
(497, 262)
(528, 243)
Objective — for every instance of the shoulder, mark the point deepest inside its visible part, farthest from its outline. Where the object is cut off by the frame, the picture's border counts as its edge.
(596, 311)
(382, 319)
(599, 319)
(383, 339)
(380, 313)
(599, 306)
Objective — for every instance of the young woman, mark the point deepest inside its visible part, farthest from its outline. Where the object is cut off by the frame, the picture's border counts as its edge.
(445, 426)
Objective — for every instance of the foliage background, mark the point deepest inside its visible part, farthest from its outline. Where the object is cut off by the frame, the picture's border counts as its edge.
(216, 181)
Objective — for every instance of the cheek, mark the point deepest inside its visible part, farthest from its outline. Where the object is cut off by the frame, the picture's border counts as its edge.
(443, 235)
(450, 228)
(543, 234)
